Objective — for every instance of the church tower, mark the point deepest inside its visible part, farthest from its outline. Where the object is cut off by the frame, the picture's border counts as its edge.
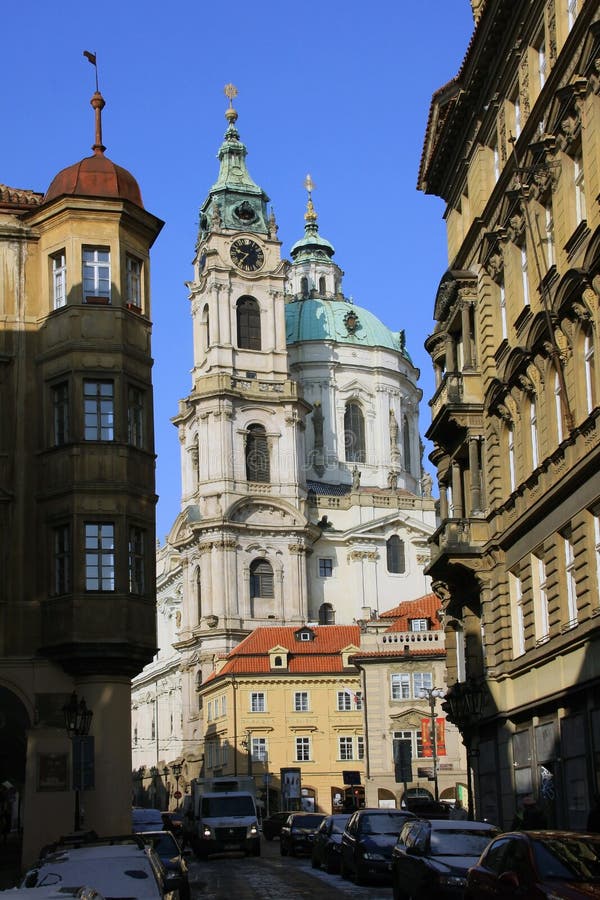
(242, 529)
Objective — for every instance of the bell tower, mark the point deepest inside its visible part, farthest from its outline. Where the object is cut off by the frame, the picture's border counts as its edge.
(242, 529)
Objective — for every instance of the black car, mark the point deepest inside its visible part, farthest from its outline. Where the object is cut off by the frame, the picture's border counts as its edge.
(367, 842)
(297, 833)
(326, 844)
(432, 856)
(170, 854)
(272, 825)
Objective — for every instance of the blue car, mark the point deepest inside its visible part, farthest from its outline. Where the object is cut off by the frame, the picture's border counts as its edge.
(367, 843)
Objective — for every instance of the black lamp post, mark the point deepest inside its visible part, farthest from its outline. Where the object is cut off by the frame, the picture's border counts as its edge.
(78, 719)
(247, 745)
(463, 705)
(432, 695)
(176, 770)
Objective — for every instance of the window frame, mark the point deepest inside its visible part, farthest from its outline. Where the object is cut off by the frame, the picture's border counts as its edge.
(248, 323)
(303, 749)
(354, 433)
(59, 279)
(345, 748)
(301, 701)
(136, 549)
(258, 702)
(100, 558)
(325, 567)
(99, 410)
(133, 278)
(135, 416)
(262, 584)
(96, 275)
(60, 413)
(62, 555)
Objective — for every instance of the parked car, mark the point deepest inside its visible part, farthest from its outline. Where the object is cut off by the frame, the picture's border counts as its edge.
(297, 832)
(52, 893)
(432, 856)
(171, 856)
(143, 819)
(562, 865)
(367, 841)
(272, 825)
(327, 842)
(173, 821)
(116, 866)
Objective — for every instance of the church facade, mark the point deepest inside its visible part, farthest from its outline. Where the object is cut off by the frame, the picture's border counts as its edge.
(303, 497)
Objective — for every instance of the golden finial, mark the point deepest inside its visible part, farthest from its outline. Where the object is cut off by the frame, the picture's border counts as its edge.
(310, 214)
(230, 92)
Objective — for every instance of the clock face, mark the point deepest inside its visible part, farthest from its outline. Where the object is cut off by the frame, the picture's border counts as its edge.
(247, 255)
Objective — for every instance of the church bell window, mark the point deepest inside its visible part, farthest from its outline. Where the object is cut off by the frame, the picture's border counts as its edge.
(248, 324)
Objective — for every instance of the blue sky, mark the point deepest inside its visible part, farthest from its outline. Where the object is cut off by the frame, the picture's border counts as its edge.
(337, 89)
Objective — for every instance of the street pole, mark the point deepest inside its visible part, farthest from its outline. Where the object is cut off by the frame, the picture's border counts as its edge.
(432, 695)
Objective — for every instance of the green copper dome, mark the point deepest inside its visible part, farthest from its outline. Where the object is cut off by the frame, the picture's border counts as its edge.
(341, 322)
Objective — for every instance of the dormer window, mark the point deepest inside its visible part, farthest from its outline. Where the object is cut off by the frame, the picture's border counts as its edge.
(305, 634)
(278, 657)
(278, 661)
(419, 624)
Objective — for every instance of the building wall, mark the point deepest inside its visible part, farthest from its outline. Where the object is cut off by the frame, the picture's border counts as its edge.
(515, 556)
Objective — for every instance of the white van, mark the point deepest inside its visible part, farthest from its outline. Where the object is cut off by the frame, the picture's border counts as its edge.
(227, 820)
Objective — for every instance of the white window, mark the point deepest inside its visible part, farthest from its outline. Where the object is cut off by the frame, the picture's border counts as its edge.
(209, 711)
(511, 457)
(590, 373)
(524, 275)
(400, 686)
(503, 317)
(570, 576)
(301, 701)
(325, 568)
(96, 275)
(419, 625)
(345, 748)
(259, 749)
(134, 282)
(549, 238)
(302, 749)
(344, 701)
(360, 747)
(224, 705)
(534, 433)
(518, 621)
(415, 738)
(580, 205)
(558, 407)
(597, 548)
(59, 279)
(257, 702)
(517, 107)
(541, 61)
(422, 681)
(542, 617)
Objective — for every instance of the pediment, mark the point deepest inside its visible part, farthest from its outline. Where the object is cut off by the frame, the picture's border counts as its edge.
(377, 529)
(266, 515)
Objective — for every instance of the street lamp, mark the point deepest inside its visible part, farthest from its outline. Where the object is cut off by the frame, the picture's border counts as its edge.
(247, 745)
(78, 719)
(463, 705)
(176, 770)
(433, 694)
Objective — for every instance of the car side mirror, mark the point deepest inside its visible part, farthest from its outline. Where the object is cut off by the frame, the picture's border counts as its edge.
(509, 879)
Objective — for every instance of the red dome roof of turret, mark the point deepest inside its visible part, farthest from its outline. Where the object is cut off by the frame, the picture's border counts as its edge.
(97, 175)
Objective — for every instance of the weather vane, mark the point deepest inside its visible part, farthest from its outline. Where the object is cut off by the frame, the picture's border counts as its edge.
(310, 214)
(309, 185)
(230, 92)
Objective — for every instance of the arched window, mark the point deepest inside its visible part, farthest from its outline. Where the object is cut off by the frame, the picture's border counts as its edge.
(406, 444)
(326, 614)
(322, 285)
(354, 433)
(261, 579)
(304, 287)
(533, 428)
(248, 324)
(257, 454)
(396, 562)
(206, 323)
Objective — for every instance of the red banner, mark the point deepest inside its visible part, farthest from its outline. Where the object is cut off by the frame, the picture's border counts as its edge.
(440, 737)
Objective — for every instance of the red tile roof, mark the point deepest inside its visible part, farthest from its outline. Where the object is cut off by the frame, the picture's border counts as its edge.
(423, 608)
(321, 655)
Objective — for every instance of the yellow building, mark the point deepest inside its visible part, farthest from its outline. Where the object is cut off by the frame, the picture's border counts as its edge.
(77, 494)
(288, 699)
(513, 148)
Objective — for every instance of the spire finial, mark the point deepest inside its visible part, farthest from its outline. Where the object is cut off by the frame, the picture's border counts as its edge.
(310, 214)
(230, 92)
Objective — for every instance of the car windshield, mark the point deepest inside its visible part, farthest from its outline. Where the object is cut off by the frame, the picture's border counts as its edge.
(338, 825)
(459, 842)
(382, 823)
(227, 806)
(307, 822)
(568, 859)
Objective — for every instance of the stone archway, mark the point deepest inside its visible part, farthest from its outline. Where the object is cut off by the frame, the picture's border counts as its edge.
(14, 725)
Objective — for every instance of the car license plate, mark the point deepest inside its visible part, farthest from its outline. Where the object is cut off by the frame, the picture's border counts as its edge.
(231, 847)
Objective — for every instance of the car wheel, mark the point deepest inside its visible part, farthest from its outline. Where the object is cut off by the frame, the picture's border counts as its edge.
(331, 865)
(359, 876)
(344, 870)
